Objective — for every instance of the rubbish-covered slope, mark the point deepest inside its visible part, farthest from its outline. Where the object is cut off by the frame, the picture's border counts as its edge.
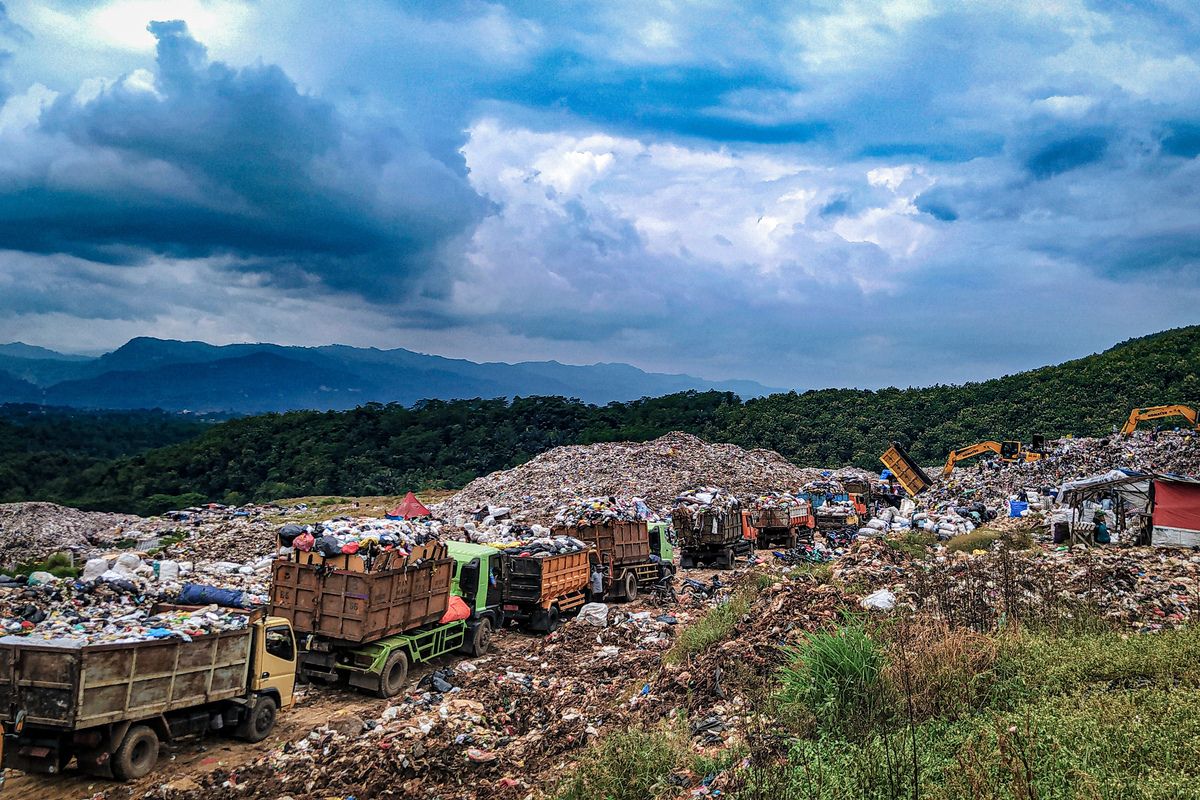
(656, 471)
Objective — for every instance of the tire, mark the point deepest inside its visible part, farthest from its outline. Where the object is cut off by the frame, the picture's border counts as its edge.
(629, 586)
(137, 754)
(260, 721)
(553, 619)
(728, 556)
(394, 674)
(686, 562)
(482, 638)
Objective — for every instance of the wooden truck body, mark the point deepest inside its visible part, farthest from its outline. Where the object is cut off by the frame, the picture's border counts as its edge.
(109, 705)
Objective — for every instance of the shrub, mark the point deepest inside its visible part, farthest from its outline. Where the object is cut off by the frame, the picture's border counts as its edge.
(630, 764)
(837, 676)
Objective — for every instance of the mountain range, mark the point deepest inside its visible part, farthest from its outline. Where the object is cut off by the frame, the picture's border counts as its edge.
(256, 378)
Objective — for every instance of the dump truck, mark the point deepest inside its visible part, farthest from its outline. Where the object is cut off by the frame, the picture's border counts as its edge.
(908, 473)
(367, 626)
(712, 538)
(110, 706)
(632, 555)
(476, 579)
(780, 525)
(539, 591)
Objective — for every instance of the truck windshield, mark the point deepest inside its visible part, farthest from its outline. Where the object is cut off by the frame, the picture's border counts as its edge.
(280, 644)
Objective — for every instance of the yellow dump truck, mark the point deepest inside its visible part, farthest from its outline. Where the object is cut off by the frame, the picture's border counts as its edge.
(110, 706)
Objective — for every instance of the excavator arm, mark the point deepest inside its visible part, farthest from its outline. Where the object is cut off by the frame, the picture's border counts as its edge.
(1159, 412)
(967, 452)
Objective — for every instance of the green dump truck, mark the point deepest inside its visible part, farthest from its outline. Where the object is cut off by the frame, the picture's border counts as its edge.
(368, 626)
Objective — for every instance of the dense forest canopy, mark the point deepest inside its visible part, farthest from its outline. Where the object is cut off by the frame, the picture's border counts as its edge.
(148, 461)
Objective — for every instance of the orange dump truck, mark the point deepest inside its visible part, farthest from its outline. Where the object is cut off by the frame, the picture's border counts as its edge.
(539, 590)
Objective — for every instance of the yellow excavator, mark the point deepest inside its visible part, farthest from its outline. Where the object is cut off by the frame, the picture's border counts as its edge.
(1159, 412)
(1007, 451)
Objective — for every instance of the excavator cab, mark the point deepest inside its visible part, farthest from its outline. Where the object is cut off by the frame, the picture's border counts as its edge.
(1010, 451)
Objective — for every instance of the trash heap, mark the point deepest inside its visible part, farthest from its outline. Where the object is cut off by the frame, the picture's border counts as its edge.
(774, 500)
(35, 531)
(656, 471)
(599, 510)
(693, 505)
(993, 482)
(82, 615)
(368, 537)
(546, 546)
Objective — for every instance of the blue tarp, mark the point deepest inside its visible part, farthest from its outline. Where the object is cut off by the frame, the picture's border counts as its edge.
(197, 594)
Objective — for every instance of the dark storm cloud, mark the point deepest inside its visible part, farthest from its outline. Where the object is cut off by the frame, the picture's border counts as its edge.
(216, 160)
(1065, 155)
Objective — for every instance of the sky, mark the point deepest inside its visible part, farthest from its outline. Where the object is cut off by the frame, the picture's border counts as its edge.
(807, 194)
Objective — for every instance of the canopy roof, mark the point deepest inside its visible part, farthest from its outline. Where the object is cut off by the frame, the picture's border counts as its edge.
(410, 508)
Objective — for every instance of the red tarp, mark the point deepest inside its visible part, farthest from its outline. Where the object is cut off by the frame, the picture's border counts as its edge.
(409, 508)
(1177, 505)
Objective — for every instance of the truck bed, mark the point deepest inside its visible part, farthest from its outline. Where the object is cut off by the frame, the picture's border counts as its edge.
(73, 686)
(711, 530)
(541, 581)
(356, 607)
(619, 543)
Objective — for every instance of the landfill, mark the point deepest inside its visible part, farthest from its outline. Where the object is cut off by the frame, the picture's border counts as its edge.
(35, 531)
(656, 471)
(505, 725)
(599, 510)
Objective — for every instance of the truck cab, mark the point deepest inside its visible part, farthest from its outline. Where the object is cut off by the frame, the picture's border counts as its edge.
(477, 579)
(660, 545)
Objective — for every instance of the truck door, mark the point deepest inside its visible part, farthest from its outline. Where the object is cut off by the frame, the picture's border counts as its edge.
(493, 581)
(276, 662)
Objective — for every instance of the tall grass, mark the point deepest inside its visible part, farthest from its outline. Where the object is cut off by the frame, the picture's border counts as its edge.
(715, 626)
(836, 676)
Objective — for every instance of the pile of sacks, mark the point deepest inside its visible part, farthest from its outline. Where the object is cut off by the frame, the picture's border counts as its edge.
(773, 500)
(548, 546)
(691, 506)
(599, 510)
(366, 536)
(166, 577)
(103, 624)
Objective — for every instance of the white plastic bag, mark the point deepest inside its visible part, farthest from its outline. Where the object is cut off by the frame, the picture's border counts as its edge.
(881, 600)
(595, 614)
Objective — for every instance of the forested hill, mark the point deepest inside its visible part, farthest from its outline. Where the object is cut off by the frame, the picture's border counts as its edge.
(386, 449)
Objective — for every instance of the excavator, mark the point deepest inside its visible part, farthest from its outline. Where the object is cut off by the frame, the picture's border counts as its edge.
(1008, 451)
(1159, 412)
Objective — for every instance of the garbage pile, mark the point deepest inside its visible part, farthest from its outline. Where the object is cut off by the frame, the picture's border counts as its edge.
(547, 546)
(599, 510)
(78, 627)
(35, 531)
(656, 471)
(694, 505)
(994, 482)
(368, 537)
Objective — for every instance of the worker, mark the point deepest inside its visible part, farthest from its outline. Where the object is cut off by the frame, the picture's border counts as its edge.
(1101, 536)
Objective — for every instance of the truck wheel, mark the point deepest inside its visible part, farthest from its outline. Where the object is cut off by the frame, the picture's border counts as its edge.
(686, 562)
(729, 557)
(137, 754)
(394, 674)
(482, 639)
(629, 586)
(553, 619)
(259, 721)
